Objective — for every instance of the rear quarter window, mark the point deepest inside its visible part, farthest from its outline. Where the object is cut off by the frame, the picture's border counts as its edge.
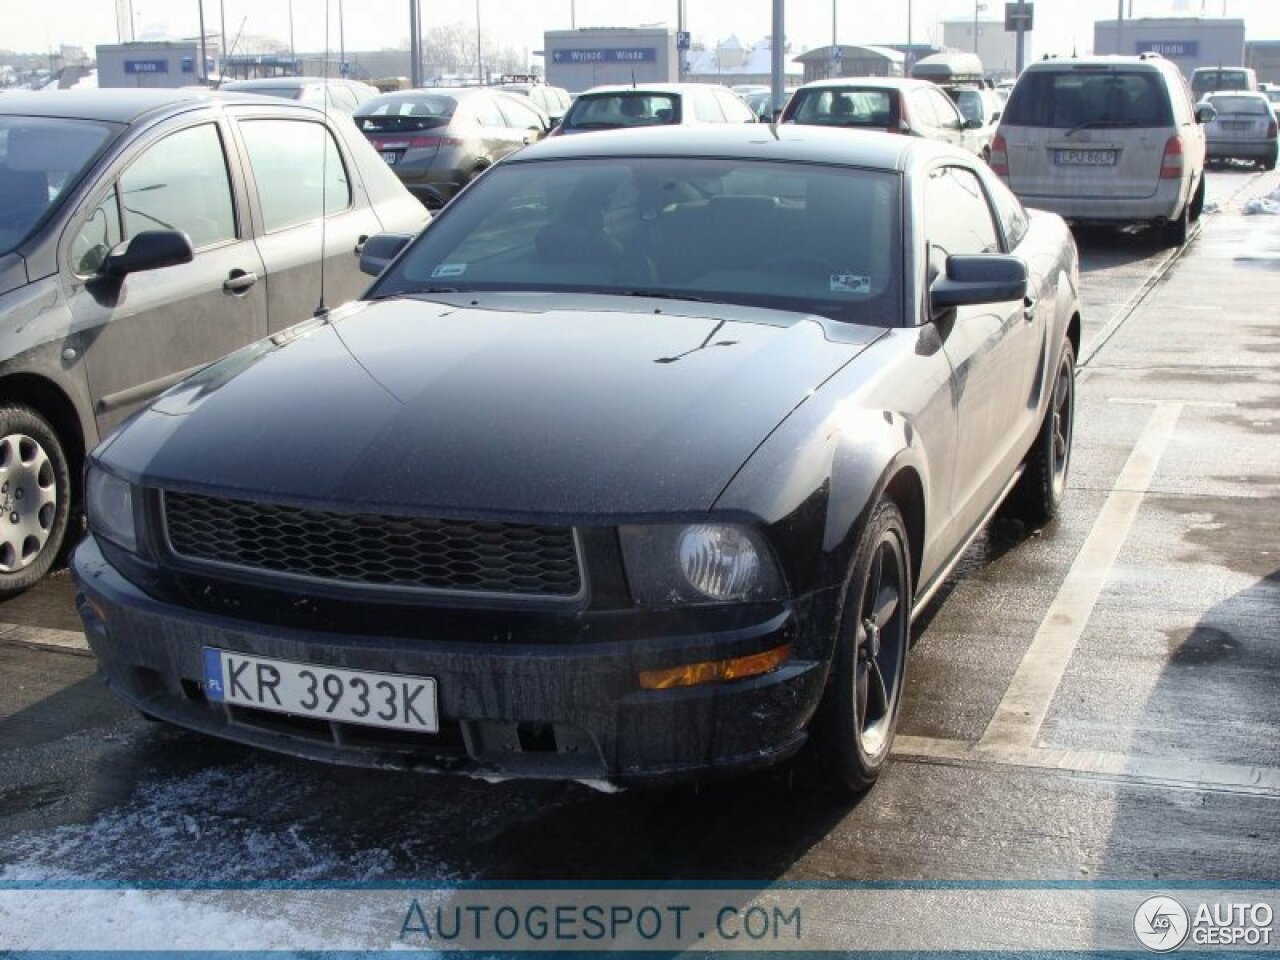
(1070, 98)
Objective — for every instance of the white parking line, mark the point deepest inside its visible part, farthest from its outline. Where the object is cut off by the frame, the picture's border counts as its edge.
(1239, 778)
(1021, 712)
(43, 636)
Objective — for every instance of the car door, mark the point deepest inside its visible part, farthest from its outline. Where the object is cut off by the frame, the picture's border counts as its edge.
(524, 118)
(305, 200)
(145, 332)
(500, 138)
(990, 347)
(950, 123)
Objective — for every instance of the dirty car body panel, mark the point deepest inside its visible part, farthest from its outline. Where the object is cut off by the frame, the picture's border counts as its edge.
(592, 407)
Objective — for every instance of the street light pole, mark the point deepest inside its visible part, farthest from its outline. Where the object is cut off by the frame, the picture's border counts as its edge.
(834, 41)
(911, 56)
(479, 53)
(680, 32)
(776, 54)
(342, 43)
(415, 46)
(976, 5)
(204, 53)
(1120, 27)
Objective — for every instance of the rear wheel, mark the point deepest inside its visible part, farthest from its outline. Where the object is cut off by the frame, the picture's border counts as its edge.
(1037, 497)
(856, 726)
(1197, 202)
(1177, 231)
(35, 498)
(1270, 162)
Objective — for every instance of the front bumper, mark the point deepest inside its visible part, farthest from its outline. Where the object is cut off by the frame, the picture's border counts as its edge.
(571, 711)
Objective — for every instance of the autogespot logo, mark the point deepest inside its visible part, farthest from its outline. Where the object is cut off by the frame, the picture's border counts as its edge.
(1161, 924)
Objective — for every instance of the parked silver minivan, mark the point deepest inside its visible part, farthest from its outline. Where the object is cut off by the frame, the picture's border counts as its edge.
(1106, 140)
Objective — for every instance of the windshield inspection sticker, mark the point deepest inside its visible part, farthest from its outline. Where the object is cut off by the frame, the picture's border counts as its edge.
(449, 270)
(850, 283)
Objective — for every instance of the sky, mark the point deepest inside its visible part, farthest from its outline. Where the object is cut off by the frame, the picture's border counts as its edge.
(1061, 25)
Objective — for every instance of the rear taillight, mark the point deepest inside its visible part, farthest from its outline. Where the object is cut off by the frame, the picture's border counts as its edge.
(1171, 165)
(999, 157)
(418, 143)
(1272, 129)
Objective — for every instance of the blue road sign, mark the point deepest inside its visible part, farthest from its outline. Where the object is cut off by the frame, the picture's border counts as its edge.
(146, 66)
(684, 40)
(609, 55)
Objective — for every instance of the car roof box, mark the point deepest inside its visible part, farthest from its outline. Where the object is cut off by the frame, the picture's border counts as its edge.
(949, 68)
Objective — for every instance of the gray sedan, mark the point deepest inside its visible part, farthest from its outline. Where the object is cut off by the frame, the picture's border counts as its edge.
(1244, 129)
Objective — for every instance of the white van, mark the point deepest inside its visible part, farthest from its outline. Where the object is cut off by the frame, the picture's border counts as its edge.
(1105, 140)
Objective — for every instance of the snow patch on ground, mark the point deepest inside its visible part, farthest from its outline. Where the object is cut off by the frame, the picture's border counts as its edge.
(1268, 205)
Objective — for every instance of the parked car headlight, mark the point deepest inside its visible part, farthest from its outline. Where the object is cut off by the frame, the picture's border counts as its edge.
(698, 563)
(109, 506)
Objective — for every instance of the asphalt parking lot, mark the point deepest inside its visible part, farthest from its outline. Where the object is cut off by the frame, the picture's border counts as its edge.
(1095, 700)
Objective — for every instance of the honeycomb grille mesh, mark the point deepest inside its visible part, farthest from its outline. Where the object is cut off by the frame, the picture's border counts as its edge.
(375, 550)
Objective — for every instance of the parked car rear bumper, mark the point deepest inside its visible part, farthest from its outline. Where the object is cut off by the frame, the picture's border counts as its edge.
(1166, 203)
(1242, 149)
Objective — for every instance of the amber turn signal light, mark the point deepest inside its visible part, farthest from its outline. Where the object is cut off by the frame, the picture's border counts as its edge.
(715, 671)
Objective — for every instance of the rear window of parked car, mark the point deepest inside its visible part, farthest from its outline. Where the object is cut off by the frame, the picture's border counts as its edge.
(1081, 97)
(602, 111)
(298, 170)
(1254, 106)
(405, 114)
(845, 108)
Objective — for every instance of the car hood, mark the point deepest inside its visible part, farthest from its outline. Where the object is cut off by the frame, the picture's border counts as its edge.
(492, 403)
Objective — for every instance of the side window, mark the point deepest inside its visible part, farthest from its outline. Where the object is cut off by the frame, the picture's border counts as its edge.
(945, 110)
(181, 183)
(487, 112)
(922, 109)
(705, 107)
(1013, 216)
(735, 110)
(298, 170)
(340, 98)
(519, 116)
(957, 217)
(96, 236)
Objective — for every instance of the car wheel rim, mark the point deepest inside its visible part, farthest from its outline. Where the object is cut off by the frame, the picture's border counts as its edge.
(881, 644)
(29, 498)
(1063, 415)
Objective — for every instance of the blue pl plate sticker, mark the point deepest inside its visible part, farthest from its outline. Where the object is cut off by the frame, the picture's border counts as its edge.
(850, 283)
(213, 674)
(449, 270)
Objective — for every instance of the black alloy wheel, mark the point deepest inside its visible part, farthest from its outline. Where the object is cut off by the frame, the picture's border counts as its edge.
(864, 695)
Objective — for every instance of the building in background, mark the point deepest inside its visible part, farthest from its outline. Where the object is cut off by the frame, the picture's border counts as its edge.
(731, 63)
(1190, 42)
(849, 60)
(997, 48)
(153, 64)
(580, 59)
(1264, 57)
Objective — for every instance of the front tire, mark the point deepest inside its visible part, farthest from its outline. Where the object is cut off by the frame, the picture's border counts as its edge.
(35, 498)
(1037, 498)
(864, 695)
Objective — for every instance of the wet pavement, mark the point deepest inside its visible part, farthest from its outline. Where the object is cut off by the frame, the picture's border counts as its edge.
(1095, 700)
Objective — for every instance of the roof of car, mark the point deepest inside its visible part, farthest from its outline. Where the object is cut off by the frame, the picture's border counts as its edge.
(789, 142)
(868, 83)
(275, 83)
(647, 88)
(1067, 63)
(117, 106)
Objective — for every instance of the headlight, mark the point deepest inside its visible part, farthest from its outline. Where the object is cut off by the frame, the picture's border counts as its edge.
(718, 562)
(109, 506)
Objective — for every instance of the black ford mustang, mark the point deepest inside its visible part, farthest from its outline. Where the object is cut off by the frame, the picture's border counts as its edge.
(633, 466)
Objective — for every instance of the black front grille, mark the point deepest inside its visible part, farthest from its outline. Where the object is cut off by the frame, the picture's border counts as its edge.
(375, 550)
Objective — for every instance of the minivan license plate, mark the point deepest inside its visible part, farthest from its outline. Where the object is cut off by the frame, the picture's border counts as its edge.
(390, 156)
(310, 690)
(1084, 158)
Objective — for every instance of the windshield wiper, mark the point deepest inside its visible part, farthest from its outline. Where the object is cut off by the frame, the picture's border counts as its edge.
(1101, 123)
(658, 295)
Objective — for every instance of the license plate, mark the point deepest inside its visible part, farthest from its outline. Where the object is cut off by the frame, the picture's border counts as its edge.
(1236, 125)
(309, 690)
(1084, 158)
(391, 156)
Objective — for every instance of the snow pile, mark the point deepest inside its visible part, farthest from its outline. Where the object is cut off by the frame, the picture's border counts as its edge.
(1270, 204)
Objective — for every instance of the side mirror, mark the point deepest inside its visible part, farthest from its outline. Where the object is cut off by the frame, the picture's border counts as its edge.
(380, 249)
(1205, 112)
(974, 124)
(148, 250)
(976, 279)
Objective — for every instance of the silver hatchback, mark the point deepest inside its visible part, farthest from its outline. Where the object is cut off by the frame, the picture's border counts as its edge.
(1244, 129)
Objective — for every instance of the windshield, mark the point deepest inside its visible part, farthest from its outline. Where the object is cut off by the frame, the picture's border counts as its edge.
(1204, 81)
(848, 107)
(41, 159)
(790, 236)
(403, 114)
(603, 111)
(1252, 106)
(970, 104)
(1083, 98)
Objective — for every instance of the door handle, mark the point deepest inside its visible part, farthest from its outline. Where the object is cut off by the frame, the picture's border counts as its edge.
(360, 241)
(1029, 308)
(239, 281)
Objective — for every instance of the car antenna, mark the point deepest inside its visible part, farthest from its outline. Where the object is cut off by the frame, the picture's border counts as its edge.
(321, 309)
(633, 78)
